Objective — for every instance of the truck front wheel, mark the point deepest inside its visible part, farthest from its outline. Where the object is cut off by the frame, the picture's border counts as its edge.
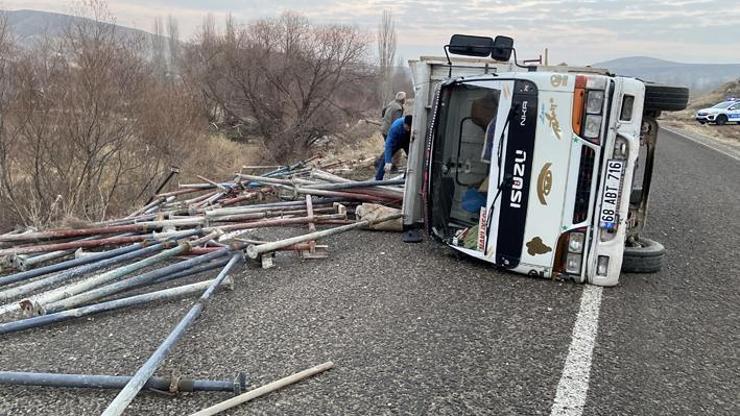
(643, 256)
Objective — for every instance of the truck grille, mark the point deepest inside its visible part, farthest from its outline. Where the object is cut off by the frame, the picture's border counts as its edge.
(583, 189)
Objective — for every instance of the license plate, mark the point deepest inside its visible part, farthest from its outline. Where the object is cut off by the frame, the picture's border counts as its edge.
(609, 217)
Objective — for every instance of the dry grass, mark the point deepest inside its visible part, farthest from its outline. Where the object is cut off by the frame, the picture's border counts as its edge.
(218, 157)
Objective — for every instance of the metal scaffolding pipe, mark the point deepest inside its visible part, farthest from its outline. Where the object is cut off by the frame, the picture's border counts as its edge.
(17, 277)
(24, 262)
(95, 381)
(255, 251)
(81, 232)
(174, 170)
(271, 213)
(295, 247)
(360, 184)
(209, 185)
(276, 222)
(269, 206)
(220, 262)
(320, 174)
(346, 195)
(323, 175)
(137, 382)
(159, 275)
(72, 273)
(115, 241)
(267, 180)
(239, 198)
(35, 303)
(111, 305)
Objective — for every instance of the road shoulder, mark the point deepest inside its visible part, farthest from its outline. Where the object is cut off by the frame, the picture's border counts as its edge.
(726, 147)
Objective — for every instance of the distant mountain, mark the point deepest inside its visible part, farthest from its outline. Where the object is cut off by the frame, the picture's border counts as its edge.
(30, 26)
(700, 78)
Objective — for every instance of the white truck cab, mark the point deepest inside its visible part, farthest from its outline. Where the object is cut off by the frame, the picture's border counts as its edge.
(531, 168)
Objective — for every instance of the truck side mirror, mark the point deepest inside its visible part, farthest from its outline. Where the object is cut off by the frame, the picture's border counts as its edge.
(470, 45)
(502, 47)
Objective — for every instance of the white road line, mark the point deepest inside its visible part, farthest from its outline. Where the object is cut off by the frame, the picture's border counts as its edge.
(570, 397)
(709, 143)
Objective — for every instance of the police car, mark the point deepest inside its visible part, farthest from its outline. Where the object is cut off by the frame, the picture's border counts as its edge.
(722, 113)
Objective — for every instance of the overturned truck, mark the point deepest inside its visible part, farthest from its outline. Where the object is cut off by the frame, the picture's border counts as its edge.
(539, 170)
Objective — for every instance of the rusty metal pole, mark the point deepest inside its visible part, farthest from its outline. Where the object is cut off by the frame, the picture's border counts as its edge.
(361, 184)
(277, 222)
(112, 241)
(80, 232)
(255, 251)
(174, 170)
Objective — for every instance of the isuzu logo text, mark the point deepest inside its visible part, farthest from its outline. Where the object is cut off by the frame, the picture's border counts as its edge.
(523, 117)
(518, 181)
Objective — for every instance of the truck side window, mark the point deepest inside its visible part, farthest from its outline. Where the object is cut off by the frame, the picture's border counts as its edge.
(627, 103)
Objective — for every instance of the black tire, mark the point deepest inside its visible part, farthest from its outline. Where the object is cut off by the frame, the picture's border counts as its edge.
(646, 257)
(665, 98)
(721, 120)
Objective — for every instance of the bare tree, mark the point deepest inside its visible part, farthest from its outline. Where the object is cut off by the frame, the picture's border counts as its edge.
(159, 47)
(173, 39)
(401, 80)
(85, 124)
(386, 40)
(281, 79)
(208, 30)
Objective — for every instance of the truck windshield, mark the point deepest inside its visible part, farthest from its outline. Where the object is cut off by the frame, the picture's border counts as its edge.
(463, 148)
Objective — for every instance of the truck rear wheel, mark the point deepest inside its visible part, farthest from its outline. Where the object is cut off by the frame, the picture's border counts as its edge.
(665, 98)
(645, 256)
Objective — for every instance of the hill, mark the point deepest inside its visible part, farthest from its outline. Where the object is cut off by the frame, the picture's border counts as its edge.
(700, 78)
(30, 26)
(729, 89)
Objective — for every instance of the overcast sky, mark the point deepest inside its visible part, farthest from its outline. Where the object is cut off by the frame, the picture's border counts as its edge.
(575, 31)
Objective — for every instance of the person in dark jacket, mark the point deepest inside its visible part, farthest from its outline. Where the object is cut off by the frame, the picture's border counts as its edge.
(392, 112)
(399, 136)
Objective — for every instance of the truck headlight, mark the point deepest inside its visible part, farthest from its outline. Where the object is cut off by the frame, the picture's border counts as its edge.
(589, 96)
(593, 127)
(573, 263)
(575, 242)
(594, 102)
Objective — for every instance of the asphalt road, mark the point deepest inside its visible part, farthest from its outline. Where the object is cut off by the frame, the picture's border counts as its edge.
(414, 330)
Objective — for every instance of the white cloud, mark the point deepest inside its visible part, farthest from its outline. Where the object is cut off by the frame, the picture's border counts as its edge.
(575, 31)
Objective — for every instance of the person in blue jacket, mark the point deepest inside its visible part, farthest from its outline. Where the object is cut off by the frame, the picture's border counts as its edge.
(398, 138)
